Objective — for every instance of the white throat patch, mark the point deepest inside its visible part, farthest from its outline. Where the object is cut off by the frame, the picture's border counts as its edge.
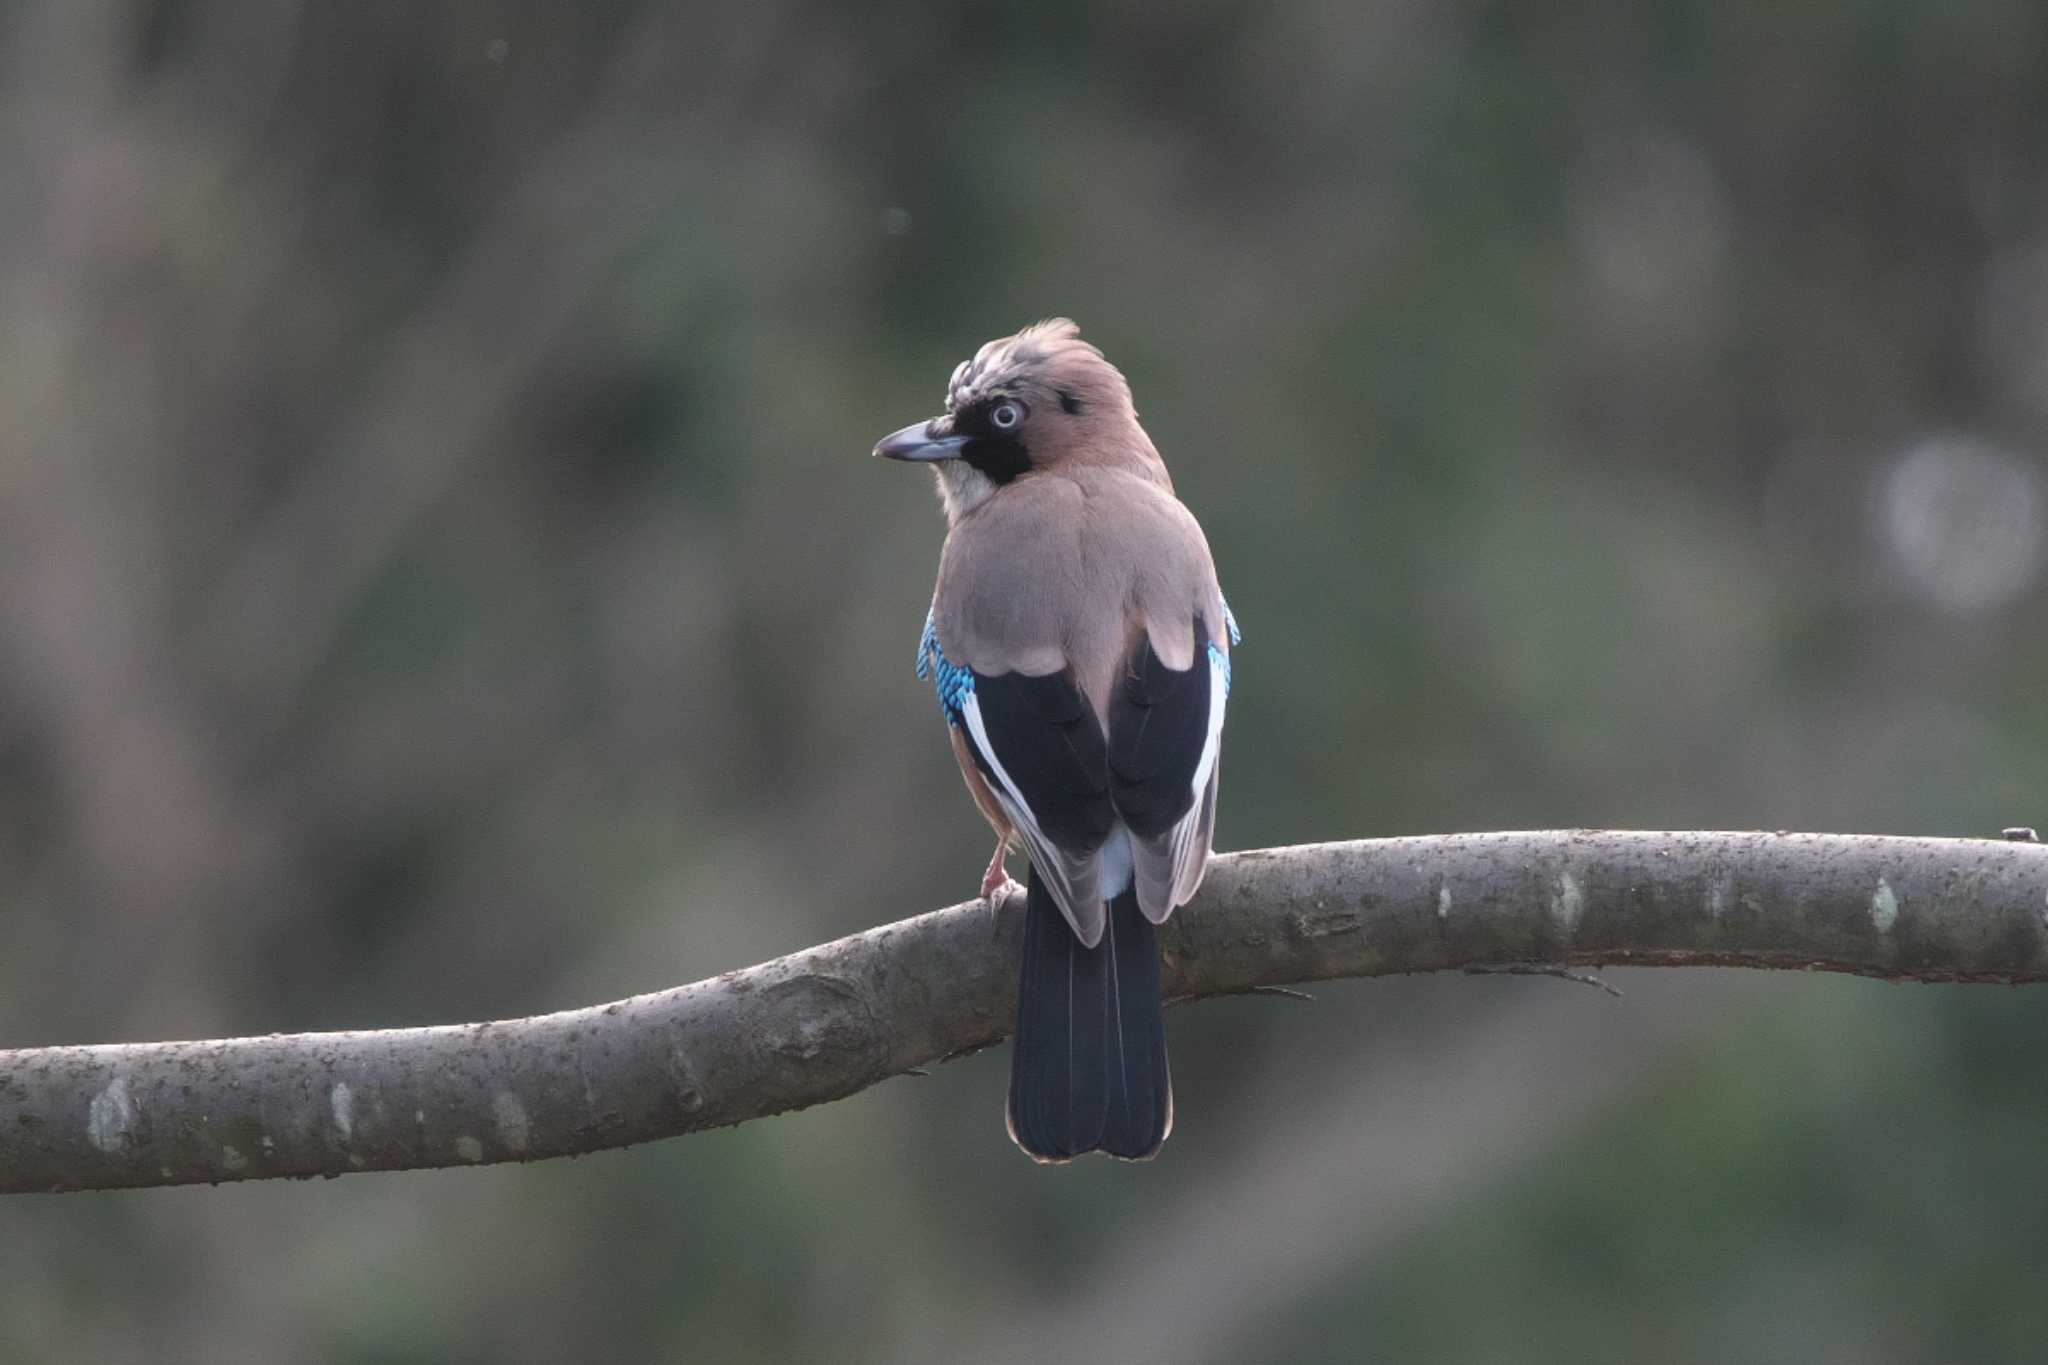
(962, 487)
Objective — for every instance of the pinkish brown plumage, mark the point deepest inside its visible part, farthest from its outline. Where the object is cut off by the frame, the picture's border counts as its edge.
(1081, 648)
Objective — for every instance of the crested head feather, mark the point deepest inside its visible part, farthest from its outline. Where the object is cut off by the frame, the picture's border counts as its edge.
(1048, 361)
(1079, 404)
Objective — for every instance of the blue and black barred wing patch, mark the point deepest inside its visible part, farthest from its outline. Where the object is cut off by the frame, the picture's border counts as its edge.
(954, 683)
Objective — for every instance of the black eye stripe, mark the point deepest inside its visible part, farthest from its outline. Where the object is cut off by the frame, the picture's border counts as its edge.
(1001, 457)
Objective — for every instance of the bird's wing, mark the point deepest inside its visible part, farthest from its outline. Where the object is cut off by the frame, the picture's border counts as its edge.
(1165, 742)
(1038, 743)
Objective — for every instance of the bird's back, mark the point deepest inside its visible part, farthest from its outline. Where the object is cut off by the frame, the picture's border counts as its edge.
(1072, 569)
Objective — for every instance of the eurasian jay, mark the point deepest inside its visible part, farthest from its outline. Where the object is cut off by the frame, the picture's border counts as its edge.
(1080, 648)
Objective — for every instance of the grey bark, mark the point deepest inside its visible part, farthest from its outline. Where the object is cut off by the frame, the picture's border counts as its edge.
(823, 1023)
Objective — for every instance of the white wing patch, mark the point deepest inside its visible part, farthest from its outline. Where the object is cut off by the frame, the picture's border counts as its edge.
(1191, 835)
(1219, 698)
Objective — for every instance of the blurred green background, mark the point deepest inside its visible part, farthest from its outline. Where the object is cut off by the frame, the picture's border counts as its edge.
(442, 576)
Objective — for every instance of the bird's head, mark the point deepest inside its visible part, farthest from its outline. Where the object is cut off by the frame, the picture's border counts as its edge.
(1038, 401)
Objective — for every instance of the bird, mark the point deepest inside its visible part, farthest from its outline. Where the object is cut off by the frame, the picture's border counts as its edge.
(1079, 644)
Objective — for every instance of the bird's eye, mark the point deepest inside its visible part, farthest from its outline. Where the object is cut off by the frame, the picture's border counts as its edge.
(1005, 416)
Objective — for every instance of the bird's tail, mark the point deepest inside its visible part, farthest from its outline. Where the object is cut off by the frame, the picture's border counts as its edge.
(1088, 1066)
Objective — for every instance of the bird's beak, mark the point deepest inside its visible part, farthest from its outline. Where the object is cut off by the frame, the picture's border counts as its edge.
(932, 440)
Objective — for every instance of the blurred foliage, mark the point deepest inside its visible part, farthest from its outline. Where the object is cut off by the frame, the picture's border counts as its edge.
(441, 576)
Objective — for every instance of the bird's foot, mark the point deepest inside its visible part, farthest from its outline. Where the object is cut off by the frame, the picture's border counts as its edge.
(999, 901)
(997, 886)
(998, 876)
(999, 897)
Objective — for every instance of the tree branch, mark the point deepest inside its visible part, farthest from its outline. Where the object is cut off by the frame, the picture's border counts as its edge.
(826, 1022)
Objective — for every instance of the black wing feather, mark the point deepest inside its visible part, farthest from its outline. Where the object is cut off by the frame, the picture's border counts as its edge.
(1158, 727)
(1044, 734)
